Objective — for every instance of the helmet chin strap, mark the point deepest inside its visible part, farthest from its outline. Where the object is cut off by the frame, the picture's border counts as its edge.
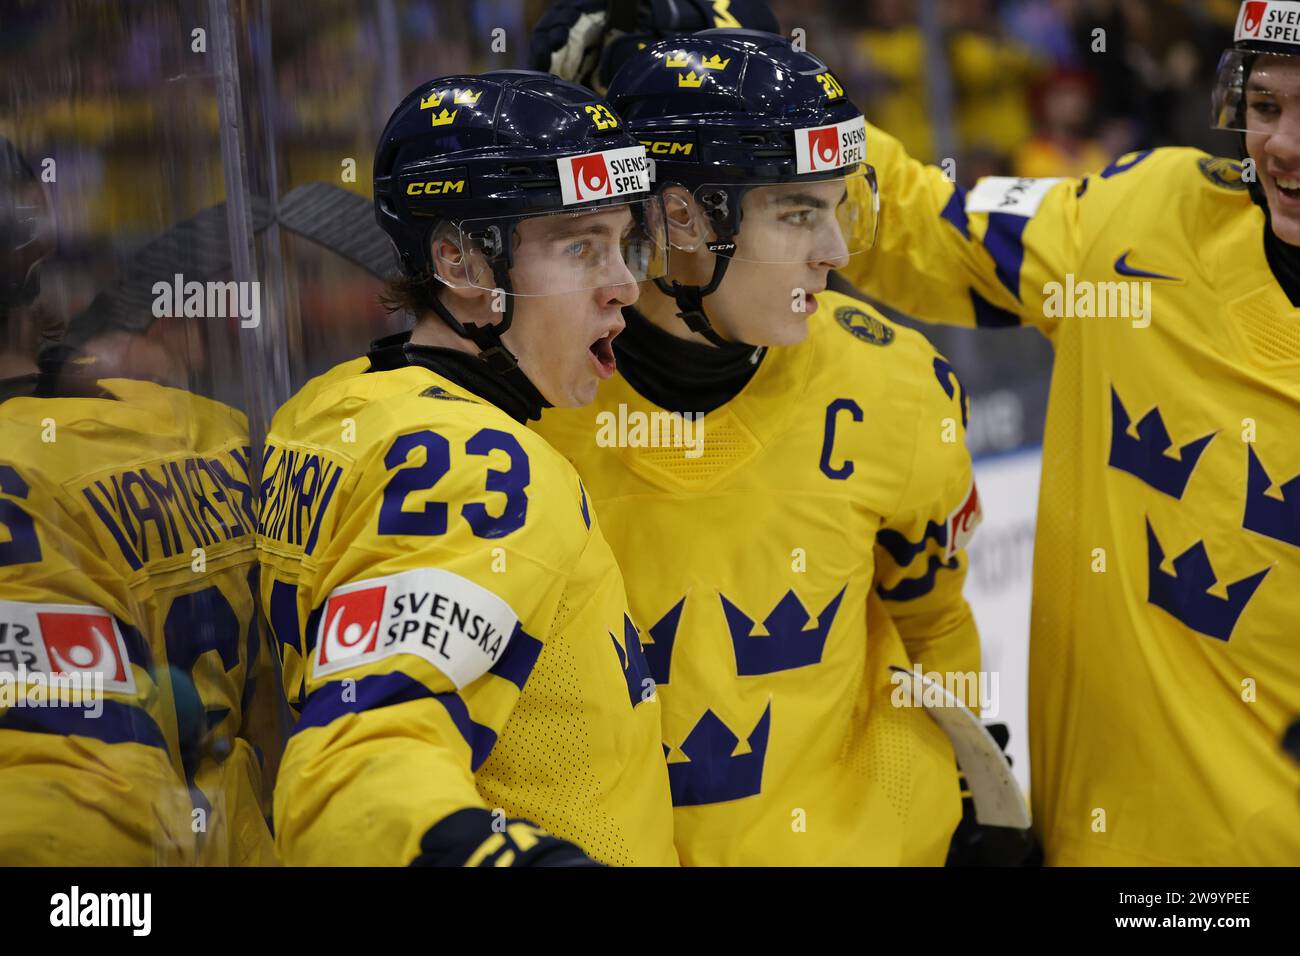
(488, 337)
(690, 301)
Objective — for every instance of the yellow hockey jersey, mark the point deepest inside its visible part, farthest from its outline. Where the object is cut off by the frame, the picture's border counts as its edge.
(127, 569)
(1164, 662)
(784, 550)
(454, 630)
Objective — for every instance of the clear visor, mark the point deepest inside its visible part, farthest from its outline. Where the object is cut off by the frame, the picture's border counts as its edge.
(561, 252)
(805, 221)
(1256, 92)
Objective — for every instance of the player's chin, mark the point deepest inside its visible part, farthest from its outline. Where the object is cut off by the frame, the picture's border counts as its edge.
(792, 331)
(580, 391)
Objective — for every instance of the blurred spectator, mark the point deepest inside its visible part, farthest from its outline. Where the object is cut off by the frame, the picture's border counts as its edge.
(1062, 146)
(991, 79)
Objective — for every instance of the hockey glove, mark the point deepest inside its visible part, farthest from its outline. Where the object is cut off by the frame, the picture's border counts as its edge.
(974, 844)
(586, 41)
(475, 837)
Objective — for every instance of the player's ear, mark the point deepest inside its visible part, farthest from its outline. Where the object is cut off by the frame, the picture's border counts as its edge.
(687, 229)
(455, 266)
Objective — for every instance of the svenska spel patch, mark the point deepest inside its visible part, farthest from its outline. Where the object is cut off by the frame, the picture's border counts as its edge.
(603, 175)
(72, 639)
(963, 521)
(1272, 21)
(820, 149)
(459, 627)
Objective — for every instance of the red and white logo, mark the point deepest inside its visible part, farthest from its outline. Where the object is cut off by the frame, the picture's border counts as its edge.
(614, 172)
(820, 149)
(351, 625)
(83, 643)
(454, 624)
(67, 639)
(1252, 17)
(963, 521)
(591, 177)
(824, 148)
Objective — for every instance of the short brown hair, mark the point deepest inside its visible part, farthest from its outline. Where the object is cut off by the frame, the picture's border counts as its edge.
(413, 294)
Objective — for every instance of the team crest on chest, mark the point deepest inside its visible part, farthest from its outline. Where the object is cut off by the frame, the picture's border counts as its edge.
(1222, 172)
(866, 327)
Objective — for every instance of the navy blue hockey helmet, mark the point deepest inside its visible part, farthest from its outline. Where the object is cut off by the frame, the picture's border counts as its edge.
(1265, 28)
(724, 111)
(478, 155)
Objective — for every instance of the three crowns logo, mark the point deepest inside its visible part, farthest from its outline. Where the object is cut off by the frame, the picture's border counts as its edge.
(690, 79)
(1277, 517)
(713, 772)
(459, 98)
(1186, 593)
(787, 644)
(659, 649)
(1147, 456)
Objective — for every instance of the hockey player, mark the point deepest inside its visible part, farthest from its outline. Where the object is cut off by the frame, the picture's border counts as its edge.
(1164, 665)
(782, 474)
(126, 662)
(454, 626)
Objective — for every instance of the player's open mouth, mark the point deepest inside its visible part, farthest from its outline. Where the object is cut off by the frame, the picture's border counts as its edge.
(602, 354)
(1289, 188)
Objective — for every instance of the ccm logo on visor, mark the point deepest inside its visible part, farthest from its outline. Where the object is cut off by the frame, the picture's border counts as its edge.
(823, 148)
(1275, 20)
(614, 172)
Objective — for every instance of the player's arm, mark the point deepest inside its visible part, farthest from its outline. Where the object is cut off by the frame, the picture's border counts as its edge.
(920, 550)
(416, 653)
(976, 258)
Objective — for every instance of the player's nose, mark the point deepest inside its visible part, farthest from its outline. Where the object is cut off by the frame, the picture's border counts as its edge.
(622, 288)
(835, 254)
(1284, 144)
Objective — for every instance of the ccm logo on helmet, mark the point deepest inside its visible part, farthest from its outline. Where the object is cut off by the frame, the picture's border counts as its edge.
(436, 187)
(664, 147)
(614, 172)
(1265, 20)
(822, 148)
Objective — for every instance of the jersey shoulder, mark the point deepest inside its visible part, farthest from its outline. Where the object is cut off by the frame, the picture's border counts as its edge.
(1149, 187)
(131, 421)
(858, 346)
(903, 390)
(423, 437)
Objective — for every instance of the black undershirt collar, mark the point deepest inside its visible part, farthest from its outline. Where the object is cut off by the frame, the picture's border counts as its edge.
(466, 370)
(1283, 261)
(679, 375)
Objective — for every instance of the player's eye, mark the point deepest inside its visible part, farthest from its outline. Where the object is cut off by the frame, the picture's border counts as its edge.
(579, 249)
(801, 217)
(1264, 108)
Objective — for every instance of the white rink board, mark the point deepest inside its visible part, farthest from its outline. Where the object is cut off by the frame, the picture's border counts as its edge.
(998, 586)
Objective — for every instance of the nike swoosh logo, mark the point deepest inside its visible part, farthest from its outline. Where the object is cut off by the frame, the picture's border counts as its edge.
(1124, 269)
